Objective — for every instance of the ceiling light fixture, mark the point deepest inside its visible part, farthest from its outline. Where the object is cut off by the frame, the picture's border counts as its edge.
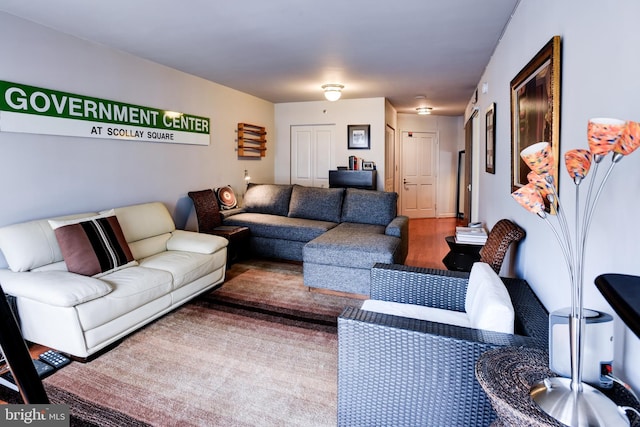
(332, 91)
(424, 110)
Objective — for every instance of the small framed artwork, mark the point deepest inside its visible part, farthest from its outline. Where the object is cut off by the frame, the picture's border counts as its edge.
(358, 137)
(490, 133)
(368, 165)
(535, 109)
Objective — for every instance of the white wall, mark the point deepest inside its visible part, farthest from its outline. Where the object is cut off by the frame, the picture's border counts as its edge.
(44, 175)
(450, 131)
(341, 114)
(599, 79)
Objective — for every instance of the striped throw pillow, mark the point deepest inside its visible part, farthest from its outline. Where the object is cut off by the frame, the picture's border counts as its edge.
(93, 246)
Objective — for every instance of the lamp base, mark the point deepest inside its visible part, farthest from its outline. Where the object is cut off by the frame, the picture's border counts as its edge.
(588, 407)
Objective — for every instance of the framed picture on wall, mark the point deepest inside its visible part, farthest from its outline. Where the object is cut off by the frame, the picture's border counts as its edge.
(535, 109)
(490, 133)
(358, 137)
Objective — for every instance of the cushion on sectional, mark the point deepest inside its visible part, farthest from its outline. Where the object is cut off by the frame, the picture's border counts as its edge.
(487, 302)
(352, 245)
(323, 204)
(93, 246)
(268, 198)
(369, 206)
(280, 227)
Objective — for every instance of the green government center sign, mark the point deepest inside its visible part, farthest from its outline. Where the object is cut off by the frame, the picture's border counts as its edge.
(30, 109)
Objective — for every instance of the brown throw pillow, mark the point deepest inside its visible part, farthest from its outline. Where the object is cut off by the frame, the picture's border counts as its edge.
(93, 246)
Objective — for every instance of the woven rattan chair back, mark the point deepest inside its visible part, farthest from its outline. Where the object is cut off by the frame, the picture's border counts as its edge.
(501, 236)
(207, 210)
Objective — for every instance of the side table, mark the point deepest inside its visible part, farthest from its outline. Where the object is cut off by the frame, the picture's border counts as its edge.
(461, 256)
(507, 375)
(238, 238)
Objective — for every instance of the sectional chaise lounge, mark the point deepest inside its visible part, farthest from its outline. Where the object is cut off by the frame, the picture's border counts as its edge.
(338, 234)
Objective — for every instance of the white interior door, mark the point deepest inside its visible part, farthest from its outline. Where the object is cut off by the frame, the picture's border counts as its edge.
(312, 154)
(419, 174)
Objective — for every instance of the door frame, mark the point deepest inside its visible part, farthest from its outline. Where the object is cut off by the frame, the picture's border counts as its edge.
(390, 158)
(472, 174)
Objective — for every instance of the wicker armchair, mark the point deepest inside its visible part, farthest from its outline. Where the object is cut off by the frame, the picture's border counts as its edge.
(501, 236)
(408, 372)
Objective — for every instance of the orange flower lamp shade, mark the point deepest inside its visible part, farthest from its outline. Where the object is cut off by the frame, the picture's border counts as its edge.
(539, 158)
(529, 198)
(630, 139)
(542, 185)
(578, 163)
(603, 134)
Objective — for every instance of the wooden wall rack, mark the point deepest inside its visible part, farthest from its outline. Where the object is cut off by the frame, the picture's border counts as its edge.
(252, 141)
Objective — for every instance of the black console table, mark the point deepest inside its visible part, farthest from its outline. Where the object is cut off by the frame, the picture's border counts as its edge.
(366, 180)
(461, 256)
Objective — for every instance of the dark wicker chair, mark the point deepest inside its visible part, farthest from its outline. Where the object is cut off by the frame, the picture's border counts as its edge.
(207, 210)
(209, 219)
(408, 372)
(501, 236)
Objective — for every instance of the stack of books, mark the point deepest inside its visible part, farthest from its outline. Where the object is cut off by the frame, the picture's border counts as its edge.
(471, 235)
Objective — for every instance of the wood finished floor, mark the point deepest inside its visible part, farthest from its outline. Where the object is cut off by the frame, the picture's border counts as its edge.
(427, 246)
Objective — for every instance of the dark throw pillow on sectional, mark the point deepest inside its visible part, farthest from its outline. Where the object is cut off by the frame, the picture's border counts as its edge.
(369, 206)
(268, 198)
(93, 246)
(322, 204)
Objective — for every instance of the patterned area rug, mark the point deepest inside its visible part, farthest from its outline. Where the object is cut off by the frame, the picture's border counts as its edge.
(259, 351)
(276, 291)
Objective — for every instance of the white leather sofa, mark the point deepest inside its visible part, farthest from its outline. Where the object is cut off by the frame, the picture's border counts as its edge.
(80, 314)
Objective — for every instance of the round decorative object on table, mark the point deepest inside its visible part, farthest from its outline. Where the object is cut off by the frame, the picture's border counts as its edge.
(507, 376)
(226, 197)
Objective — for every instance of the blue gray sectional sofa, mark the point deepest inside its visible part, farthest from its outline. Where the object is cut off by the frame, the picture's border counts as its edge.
(338, 234)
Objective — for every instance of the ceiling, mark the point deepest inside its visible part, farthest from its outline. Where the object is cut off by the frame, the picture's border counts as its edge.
(285, 50)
